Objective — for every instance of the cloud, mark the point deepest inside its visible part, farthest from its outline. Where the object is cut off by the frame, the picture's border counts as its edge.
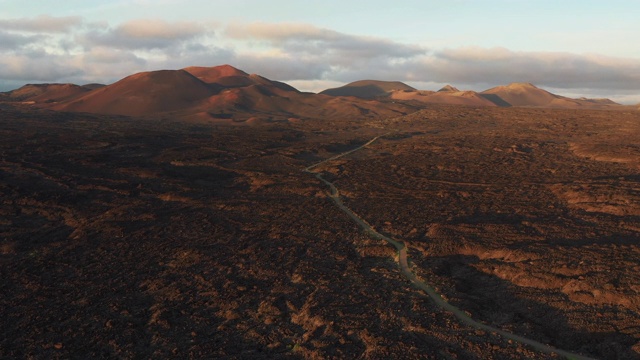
(159, 29)
(36, 67)
(559, 70)
(304, 39)
(42, 23)
(144, 34)
(106, 65)
(194, 55)
(12, 41)
(294, 51)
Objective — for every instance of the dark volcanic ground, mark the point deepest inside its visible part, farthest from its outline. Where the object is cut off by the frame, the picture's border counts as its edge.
(137, 238)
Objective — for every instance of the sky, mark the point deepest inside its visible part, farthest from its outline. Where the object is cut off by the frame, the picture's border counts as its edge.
(574, 48)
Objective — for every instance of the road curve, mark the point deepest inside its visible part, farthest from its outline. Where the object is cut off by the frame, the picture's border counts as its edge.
(403, 262)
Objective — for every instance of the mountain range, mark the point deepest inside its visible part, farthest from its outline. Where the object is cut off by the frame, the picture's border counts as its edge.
(227, 94)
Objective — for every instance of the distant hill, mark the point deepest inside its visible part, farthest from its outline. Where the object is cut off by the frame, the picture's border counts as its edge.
(46, 93)
(450, 97)
(526, 94)
(515, 94)
(448, 88)
(522, 94)
(598, 101)
(93, 86)
(368, 89)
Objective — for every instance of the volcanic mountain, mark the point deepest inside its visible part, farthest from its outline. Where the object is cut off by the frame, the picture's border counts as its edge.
(221, 93)
(227, 76)
(368, 89)
(143, 94)
(523, 94)
(526, 94)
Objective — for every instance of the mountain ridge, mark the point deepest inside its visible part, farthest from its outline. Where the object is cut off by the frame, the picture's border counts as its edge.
(224, 92)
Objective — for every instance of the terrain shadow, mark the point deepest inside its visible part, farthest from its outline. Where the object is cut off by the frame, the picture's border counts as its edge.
(494, 301)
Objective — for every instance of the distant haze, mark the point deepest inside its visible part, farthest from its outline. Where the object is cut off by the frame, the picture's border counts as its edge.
(571, 48)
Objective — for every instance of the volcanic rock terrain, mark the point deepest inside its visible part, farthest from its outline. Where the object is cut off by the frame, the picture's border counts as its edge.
(139, 221)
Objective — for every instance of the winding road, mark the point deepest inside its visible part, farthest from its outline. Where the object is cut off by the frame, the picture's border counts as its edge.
(403, 262)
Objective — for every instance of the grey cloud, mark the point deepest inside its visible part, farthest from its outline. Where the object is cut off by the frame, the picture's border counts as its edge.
(42, 24)
(12, 41)
(36, 68)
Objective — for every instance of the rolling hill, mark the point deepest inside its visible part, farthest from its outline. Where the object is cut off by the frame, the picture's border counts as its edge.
(48, 93)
